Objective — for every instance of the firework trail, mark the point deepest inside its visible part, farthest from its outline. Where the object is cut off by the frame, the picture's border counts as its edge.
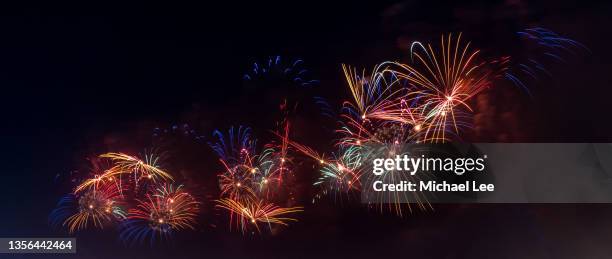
(552, 44)
(544, 47)
(275, 68)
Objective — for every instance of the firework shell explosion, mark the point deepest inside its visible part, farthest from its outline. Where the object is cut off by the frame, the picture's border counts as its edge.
(251, 181)
(98, 206)
(159, 215)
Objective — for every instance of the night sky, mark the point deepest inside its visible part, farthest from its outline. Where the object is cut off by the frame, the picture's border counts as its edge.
(80, 79)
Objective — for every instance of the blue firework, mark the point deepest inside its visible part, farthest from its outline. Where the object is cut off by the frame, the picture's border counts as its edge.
(275, 68)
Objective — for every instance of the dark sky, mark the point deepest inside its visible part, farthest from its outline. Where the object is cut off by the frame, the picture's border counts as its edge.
(74, 76)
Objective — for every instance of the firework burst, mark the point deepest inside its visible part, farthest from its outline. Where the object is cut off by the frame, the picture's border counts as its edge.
(159, 215)
(97, 207)
(252, 180)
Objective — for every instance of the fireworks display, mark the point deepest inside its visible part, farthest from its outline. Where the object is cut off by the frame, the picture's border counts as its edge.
(133, 193)
(426, 99)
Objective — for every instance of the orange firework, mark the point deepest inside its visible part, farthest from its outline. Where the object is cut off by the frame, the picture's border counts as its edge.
(146, 168)
(127, 164)
(446, 81)
(255, 212)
